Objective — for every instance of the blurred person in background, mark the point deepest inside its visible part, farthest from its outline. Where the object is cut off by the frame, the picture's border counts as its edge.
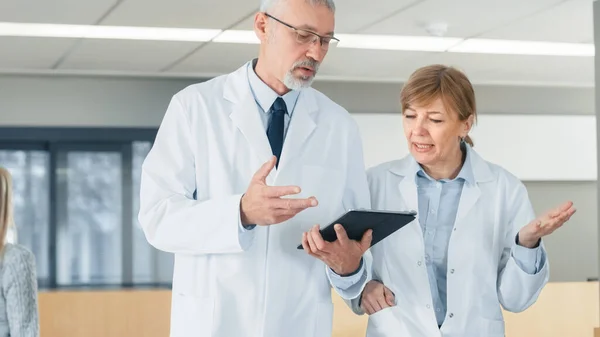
(18, 280)
(476, 245)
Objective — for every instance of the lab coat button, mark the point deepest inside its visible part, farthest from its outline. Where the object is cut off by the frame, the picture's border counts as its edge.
(428, 306)
(419, 263)
(451, 315)
(451, 271)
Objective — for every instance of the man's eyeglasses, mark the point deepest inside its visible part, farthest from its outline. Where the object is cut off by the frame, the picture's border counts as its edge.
(307, 37)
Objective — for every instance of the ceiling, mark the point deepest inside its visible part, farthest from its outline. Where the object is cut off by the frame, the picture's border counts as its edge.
(536, 20)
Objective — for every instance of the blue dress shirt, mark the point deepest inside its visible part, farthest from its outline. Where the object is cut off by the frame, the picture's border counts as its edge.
(264, 97)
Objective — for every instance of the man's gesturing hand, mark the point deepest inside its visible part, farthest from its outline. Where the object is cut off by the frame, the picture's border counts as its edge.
(263, 205)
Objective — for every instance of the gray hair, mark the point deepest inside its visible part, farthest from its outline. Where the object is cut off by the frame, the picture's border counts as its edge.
(266, 5)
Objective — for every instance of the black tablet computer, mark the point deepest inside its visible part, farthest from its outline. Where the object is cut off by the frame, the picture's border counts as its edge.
(357, 222)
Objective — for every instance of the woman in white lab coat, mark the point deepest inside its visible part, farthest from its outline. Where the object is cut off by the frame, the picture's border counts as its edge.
(475, 246)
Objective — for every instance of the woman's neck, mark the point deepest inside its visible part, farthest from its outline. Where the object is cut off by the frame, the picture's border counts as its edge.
(447, 169)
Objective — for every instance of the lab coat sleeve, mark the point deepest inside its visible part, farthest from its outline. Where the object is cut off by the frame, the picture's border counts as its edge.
(357, 196)
(348, 287)
(171, 218)
(530, 260)
(518, 289)
(354, 301)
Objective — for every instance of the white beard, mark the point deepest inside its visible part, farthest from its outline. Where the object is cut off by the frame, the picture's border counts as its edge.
(295, 83)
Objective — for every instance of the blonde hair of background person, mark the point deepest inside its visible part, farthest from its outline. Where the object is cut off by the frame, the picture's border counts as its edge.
(18, 280)
(476, 244)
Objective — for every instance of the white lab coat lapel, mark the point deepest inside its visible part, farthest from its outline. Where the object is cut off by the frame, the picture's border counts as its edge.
(472, 192)
(245, 114)
(301, 127)
(470, 195)
(407, 169)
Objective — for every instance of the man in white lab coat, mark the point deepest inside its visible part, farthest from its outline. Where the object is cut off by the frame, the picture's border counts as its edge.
(212, 195)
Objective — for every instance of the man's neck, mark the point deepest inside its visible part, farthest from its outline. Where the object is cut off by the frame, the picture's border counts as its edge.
(270, 80)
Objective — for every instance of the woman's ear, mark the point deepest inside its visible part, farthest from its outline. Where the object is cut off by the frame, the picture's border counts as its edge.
(468, 124)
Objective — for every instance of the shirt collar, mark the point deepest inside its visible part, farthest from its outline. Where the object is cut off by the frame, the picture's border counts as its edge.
(264, 95)
(466, 172)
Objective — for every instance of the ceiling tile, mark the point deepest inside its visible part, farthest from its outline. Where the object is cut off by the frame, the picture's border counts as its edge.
(126, 55)
(367, 64)
(217, 58)
(352, 15)
(480, 68)
(32, 53)
(54, 11)
(181, 13)
(247, 24)
(549, 70)
(396, 65)
(514, 69)
(463, 17)
(571, 21)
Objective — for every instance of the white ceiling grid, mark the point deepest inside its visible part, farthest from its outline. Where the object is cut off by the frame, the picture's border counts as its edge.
(536, 20)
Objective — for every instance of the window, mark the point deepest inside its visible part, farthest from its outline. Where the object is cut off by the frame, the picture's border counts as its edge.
(76, 198)
(90, 217)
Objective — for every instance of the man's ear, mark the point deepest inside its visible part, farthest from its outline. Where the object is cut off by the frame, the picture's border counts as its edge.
(260, 26)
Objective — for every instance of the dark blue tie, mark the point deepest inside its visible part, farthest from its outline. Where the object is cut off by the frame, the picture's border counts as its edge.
(275, 129)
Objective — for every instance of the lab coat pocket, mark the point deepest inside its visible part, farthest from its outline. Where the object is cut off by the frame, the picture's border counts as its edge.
(385, 324)
(191, 316)
(493, 327)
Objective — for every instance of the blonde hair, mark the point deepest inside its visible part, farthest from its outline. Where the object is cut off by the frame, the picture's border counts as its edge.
(6, 207)
(429, 83)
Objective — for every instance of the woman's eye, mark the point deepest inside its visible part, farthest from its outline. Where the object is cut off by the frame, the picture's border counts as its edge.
(409, 116)
(436, 121)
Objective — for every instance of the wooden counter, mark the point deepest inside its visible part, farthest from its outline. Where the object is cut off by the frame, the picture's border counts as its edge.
(563, 310)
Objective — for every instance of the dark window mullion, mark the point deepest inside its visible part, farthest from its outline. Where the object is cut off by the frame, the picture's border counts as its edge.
(127, 234)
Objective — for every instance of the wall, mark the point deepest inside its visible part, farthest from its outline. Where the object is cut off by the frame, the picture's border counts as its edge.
(545, 135)
(113, 101)
(533, 147)
(573, 249)
(596, 14)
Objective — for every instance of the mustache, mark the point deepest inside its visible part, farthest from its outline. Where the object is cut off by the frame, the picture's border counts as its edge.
(311, 63)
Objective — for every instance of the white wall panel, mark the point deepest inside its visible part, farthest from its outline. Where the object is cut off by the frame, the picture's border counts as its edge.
(542, 148)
